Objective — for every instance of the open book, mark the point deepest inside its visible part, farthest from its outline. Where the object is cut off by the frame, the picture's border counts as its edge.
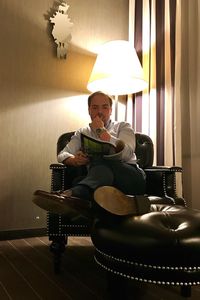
(96, 148)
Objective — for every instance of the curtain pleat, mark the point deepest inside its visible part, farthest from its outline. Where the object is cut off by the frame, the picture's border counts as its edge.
(172, 9)
(168, 90)
(138, 48)
(160, 79)
(154, 41)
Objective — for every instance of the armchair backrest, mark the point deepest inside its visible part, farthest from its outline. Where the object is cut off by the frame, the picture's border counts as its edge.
(63, 140)
(144, 150)
(144, 147)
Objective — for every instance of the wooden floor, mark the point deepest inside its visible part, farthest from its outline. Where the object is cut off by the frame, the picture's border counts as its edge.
(26, 273)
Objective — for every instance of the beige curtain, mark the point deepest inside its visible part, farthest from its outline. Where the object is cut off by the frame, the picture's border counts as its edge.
(169, 110)
(151, 30)
(187, 96)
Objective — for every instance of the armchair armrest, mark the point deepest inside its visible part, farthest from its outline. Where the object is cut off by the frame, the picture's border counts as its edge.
(58, 166)
(163, 169)
(57, 176)
(63, 176)
(161, 181)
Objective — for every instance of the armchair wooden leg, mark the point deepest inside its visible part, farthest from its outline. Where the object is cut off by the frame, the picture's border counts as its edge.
(57, 247)
(186, 291)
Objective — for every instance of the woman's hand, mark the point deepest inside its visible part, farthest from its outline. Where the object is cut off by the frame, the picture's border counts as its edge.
(79, 159)
(96, 123)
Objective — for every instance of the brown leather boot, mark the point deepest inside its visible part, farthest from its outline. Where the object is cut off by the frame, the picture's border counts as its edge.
(61, 202)
(116, 202)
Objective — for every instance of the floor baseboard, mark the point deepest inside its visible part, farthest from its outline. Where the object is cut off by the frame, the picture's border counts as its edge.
(20, 234)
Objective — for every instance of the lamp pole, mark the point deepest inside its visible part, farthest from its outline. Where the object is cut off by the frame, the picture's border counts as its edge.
(116, 107)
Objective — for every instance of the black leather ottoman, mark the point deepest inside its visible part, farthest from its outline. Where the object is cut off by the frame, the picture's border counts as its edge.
(161, 247)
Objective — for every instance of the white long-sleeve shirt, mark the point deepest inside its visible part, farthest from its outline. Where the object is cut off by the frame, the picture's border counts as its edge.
(118, 131)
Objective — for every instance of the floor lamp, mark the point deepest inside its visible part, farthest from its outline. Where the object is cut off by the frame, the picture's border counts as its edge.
(117, 71)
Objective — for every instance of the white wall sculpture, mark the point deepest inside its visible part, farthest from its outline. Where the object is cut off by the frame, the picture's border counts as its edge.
(61, 29)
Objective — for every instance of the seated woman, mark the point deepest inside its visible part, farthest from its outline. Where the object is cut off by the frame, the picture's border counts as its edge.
(109, 178)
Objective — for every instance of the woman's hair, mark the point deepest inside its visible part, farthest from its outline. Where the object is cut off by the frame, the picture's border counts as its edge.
(99, 93)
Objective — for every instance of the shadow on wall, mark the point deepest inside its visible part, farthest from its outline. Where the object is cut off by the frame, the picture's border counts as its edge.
(28, 58)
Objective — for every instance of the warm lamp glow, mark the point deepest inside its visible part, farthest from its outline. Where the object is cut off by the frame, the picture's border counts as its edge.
(117, 70)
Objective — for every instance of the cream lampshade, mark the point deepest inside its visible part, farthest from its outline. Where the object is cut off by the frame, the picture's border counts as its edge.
(117, 71)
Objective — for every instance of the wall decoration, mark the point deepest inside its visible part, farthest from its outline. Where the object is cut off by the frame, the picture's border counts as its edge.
(61, 29)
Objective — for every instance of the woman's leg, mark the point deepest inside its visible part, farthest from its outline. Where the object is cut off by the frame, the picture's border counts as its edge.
(130, 179)
(99, 174)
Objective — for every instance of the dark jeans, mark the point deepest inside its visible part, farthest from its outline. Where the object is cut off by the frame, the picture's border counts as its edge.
(130, 179)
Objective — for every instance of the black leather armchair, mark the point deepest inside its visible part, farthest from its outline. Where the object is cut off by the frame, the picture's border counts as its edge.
(161, 189)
